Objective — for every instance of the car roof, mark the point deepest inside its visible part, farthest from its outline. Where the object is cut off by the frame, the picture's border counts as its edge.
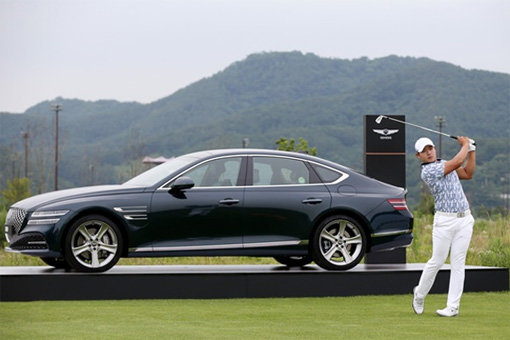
(246, 151)
(239, 151)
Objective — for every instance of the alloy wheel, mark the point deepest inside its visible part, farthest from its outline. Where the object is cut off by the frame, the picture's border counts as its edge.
(339, 243)
(93, 244)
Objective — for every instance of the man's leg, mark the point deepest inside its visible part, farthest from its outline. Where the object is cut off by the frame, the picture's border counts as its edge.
(459, 249)
(441, 241)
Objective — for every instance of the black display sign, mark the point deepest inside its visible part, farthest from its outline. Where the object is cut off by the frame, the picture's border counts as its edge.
(385, 146)
(387, 136)
(385, 160)
(387, 168)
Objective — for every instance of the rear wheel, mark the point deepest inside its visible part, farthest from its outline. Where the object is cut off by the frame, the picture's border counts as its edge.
(294, 261)
(93, 244)
(339, 243)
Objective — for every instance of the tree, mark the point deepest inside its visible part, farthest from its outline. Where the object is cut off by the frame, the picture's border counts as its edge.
(290, 145)
(17, 189)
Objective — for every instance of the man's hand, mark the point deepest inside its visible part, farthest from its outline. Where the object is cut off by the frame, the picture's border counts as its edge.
(463, 140)
(467, 171)
(472, 145)
(456, 162)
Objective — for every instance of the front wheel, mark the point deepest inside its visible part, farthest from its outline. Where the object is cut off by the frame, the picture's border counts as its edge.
(294, 261)
(93, 244)
(339, 243)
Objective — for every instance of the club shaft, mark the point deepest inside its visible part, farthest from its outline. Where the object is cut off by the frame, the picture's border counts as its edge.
(421, 127)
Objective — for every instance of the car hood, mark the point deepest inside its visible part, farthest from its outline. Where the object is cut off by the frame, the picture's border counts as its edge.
(36, 201)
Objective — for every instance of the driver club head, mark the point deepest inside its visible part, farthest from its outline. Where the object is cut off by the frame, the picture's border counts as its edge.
(379, 119)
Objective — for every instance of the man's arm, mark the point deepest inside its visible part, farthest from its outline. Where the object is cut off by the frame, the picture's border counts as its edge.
(467, 171)
(456, 162)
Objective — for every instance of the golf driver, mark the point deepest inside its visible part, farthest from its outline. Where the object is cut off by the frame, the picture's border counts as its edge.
(380, 118)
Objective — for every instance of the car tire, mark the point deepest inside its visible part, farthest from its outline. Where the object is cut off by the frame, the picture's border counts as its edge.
(56, 262)
(294, 261)
(93, 244)
(339, 243)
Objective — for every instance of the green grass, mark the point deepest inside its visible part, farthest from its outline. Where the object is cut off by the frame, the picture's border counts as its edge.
(482, 316)
(490, 243)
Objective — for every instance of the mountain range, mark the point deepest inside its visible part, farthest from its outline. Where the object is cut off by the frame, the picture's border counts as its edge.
(267, 96)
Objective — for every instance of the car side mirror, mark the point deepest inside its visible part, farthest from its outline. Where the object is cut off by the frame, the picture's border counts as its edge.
(182, 183)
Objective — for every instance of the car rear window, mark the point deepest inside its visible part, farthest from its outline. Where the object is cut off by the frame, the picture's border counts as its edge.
(326, 175)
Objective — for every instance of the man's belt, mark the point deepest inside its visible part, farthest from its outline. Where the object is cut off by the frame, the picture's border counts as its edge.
(454, 214)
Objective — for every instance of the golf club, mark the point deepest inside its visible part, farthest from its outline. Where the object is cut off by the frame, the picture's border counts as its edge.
(380, 118)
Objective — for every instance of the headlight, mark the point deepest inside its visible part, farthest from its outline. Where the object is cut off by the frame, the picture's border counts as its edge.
(46, 217)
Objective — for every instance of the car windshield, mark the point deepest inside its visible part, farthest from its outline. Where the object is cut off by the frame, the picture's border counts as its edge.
(157, 174)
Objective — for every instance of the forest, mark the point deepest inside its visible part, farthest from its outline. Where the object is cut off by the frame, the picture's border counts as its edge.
(259, 100)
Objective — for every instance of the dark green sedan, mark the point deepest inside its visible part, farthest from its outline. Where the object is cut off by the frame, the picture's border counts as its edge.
(236, 202)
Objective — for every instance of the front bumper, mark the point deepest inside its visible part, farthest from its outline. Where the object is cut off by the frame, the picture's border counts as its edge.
(31, 243)
(37, 239)
(35, 252)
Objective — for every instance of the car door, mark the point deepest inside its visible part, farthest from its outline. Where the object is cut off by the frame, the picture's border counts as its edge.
(283, 198)
(205, 217)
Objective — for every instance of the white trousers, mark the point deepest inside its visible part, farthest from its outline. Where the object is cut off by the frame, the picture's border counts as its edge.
(450, 234)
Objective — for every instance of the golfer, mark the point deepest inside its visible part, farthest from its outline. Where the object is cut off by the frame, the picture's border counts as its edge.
(453, 223)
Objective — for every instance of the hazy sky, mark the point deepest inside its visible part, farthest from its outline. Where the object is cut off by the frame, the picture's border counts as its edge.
(144, 50)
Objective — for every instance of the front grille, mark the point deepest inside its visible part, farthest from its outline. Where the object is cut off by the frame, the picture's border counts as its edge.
(15, 218)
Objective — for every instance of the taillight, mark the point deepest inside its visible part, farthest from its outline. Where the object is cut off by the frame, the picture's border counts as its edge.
(398, 203)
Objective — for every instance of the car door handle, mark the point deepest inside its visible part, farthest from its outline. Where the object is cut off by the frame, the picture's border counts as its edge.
(229, 201)
(312, 201)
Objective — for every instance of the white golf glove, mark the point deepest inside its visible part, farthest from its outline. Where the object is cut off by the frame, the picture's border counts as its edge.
(472, 146)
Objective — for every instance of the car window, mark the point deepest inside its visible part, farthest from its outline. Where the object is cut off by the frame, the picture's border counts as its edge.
(160, 172)
(222, 172)
(326, 175)
(279, 171)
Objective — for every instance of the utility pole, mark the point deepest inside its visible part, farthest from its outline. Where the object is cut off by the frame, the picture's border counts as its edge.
(91, 168)
(441, 121)
(246, 141)
(24, 135)
(57, 108)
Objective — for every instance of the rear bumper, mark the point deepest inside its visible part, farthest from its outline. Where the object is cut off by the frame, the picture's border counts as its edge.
(391, 242)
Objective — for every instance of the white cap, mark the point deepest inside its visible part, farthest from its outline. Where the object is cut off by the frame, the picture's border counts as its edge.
(422, 143)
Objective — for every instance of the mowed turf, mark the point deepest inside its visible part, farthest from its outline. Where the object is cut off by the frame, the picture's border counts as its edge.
(482, 316)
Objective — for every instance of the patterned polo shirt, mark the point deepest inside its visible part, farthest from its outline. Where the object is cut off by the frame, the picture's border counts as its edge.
(446, 190)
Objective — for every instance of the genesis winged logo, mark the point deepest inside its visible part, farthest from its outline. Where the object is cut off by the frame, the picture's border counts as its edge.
(385, 133)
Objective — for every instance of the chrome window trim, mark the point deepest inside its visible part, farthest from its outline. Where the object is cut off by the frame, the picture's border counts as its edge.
(164, 186)
(341, 179)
